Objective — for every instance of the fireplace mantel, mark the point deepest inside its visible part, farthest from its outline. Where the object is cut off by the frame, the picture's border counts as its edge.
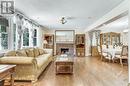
(67, 43)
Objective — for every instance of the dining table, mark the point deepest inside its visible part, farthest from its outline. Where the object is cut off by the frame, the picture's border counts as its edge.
(112, 51)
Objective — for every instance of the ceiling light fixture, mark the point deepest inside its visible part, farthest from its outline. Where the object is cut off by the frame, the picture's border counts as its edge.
(63, 20)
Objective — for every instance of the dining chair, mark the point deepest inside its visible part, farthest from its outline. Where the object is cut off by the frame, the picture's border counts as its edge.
(118, 48)
(108, 56)
(99, 51)
(123, 55)
(110, 46)
(104, 46)
(104, 54)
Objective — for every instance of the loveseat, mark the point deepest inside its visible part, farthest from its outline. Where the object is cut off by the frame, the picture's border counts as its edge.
(30, 62)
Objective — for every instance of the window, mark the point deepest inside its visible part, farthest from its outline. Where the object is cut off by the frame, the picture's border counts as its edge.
(35, 38)
(26, 37)
(3, 38)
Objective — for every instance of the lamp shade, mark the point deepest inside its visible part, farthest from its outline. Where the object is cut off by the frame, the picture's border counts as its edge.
(45, 42)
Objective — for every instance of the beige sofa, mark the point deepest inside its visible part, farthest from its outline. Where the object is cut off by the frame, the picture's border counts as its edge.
(30, 62)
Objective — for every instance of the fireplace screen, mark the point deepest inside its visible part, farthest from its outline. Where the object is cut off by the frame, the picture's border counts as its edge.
(64, 50)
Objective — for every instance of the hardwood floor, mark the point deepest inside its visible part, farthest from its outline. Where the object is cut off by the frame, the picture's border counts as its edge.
(88, 71)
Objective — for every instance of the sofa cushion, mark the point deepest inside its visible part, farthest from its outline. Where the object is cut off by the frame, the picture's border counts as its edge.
(10, 53)
(36, 52)
(30, 52)
(21, 53)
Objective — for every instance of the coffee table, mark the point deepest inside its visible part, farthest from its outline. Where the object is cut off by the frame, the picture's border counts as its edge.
(7, 70)
(64, 65)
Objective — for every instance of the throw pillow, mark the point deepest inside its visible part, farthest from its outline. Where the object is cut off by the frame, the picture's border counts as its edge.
(36, 52)
(21, 53)
(10, 53)
(30, 52)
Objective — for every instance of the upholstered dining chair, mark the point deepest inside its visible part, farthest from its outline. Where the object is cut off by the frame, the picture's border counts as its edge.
(104, 46)
(110, 46)
(104, 54)
(123, 55)
(99, 51)
(108, 56)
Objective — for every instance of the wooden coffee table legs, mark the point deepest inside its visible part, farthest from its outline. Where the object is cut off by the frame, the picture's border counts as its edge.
(12, 79)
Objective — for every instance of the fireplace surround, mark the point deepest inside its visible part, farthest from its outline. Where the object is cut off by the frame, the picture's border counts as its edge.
(64, 48)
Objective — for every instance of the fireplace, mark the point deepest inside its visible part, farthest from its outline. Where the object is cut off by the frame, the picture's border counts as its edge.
(64, 50)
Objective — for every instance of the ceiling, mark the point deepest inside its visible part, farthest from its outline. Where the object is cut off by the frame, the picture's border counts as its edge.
(80, 13)
(118, 25)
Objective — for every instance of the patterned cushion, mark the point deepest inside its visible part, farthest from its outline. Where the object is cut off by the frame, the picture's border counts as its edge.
(36, 52)
(30, 52)
(10, 53)
(21, 53)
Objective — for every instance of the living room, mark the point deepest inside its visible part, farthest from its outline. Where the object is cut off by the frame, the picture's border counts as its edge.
(64, 43)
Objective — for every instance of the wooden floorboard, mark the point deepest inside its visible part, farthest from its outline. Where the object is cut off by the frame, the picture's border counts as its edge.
(88, 71)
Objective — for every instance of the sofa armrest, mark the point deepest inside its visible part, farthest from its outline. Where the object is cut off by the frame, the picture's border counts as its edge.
(17, 60)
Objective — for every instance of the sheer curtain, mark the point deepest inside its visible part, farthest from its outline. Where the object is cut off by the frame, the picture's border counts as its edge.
(94, 36)
(19, 22)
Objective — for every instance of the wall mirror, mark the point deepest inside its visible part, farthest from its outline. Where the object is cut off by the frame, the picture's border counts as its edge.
(65, 36)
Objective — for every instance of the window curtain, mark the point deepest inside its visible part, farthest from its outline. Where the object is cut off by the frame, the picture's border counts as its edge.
(94, 36)
(19, 22)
